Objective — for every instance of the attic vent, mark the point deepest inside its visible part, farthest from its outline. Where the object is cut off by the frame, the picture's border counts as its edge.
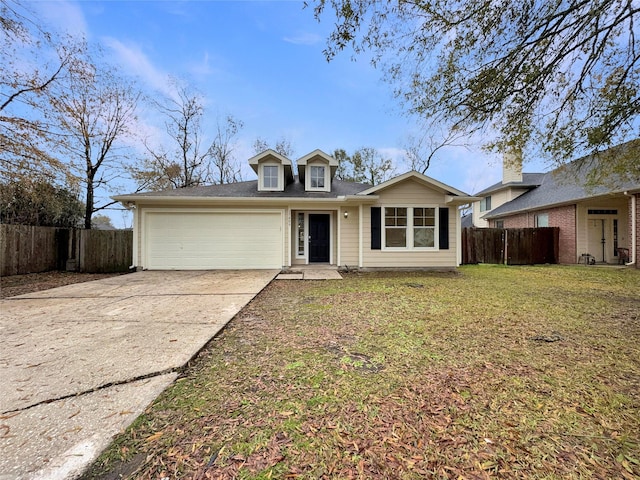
(602, 212)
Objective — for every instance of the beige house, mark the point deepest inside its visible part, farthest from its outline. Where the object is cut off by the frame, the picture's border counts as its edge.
(282, 220)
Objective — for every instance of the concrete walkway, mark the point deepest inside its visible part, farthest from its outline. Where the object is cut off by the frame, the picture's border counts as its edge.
(80, 363)
(307, 272)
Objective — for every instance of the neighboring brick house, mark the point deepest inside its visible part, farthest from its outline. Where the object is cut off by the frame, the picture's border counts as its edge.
(595, 222)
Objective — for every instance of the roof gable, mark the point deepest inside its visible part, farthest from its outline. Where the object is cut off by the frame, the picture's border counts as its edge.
(420, 178)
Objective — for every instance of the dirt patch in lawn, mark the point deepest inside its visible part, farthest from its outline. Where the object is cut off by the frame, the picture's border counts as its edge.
(493, 373)
(34, 282)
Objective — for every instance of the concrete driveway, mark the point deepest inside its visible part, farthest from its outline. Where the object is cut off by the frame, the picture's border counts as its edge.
(79, 363)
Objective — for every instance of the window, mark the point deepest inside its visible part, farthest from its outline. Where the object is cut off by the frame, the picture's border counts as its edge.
(542, 220)
(270, 176)
(395, 227)
(485, 204)
(412, 228)
(424, 227)
(499, 224)
(317, 176)
(301, 235)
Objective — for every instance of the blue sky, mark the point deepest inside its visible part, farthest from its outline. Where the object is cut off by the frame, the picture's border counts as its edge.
(262, 62)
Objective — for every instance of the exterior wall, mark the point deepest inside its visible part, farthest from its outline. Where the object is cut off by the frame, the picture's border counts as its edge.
(573, 221)
(618, 203)
(409, 193)
(630, 226)
(497, 199)
(562, 217)
(349, 241)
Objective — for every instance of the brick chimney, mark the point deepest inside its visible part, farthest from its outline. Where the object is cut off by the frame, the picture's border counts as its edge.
(512, 167)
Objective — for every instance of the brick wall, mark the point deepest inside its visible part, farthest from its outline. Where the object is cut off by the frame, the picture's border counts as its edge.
(637, 259)
(565, 218)
(562, 217)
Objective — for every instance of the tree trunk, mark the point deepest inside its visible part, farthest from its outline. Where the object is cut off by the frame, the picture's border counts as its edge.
(88, 212)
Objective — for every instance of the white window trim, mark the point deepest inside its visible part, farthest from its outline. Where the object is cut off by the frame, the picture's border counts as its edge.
(305, 226)
(327, 179)
(280, 185)
(410, 247)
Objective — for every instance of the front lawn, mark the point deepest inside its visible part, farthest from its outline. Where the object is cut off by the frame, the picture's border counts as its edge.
(491, 372)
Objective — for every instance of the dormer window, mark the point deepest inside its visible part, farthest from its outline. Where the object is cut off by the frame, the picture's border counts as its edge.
(270, 177)
(274, 171)
(317, 176)
(316, 170)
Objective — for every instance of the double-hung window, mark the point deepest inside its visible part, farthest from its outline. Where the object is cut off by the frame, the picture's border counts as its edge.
(316, 175)
(270, 176)
(410, 228)
(395, 227)
(424, 227)
(485, 204)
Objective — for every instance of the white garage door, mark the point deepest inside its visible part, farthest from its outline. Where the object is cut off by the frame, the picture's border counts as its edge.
(212, 240)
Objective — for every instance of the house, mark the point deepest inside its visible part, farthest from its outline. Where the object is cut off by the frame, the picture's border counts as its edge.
(282, 220)
(595, 221)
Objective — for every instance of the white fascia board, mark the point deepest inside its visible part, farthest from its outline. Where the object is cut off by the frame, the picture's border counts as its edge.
(462, 200)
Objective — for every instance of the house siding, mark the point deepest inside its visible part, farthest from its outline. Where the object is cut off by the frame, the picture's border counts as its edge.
(409, 193)
(349, 237)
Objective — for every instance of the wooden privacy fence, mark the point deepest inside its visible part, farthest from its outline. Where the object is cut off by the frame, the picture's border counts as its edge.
(511, 246)
(29, 249)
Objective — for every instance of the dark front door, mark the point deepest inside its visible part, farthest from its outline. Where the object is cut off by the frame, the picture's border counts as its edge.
(319, 237)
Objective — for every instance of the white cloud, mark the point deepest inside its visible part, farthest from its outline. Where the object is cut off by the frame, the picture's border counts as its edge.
(304, 39)
(63, 16)
(135, 62)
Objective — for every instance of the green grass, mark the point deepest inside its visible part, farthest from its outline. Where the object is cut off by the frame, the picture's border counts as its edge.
(407, 375)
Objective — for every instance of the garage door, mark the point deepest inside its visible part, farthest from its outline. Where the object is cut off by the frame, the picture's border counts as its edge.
(212, 240)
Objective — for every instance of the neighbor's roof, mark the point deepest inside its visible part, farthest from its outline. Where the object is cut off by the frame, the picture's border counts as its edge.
(565, 185)
(529, 180)
(249, 189)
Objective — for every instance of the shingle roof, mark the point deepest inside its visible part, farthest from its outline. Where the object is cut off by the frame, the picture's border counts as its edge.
(250, 189)
(529, 180)
(565, 185)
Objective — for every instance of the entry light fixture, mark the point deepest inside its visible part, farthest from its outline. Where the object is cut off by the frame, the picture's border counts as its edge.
(346, 214)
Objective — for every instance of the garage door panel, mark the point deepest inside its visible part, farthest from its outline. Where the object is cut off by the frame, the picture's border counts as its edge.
(212, 240)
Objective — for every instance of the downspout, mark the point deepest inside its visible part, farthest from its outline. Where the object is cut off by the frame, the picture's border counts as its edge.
(634, 229)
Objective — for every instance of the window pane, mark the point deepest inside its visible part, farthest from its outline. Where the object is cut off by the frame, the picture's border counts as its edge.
(270, 176)
(430, 222)
(401, 212)
(395, 237)
(389, 212)
(317, 176)
(423, 237)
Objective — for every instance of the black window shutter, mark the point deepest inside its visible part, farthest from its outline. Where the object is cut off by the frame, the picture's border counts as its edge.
(444, 228)
(376, 232)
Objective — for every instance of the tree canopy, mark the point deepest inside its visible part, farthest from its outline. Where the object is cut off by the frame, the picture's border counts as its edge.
(557, 78)
(39, 203)
(366, 165)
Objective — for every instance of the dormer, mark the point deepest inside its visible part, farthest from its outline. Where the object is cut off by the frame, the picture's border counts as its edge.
(274, 171)
(316, 170)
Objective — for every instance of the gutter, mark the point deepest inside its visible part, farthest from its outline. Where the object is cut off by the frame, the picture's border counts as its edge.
(634, 228)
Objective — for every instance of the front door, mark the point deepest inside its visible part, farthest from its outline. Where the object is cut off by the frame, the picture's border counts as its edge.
(319, 237)
(599, 239)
